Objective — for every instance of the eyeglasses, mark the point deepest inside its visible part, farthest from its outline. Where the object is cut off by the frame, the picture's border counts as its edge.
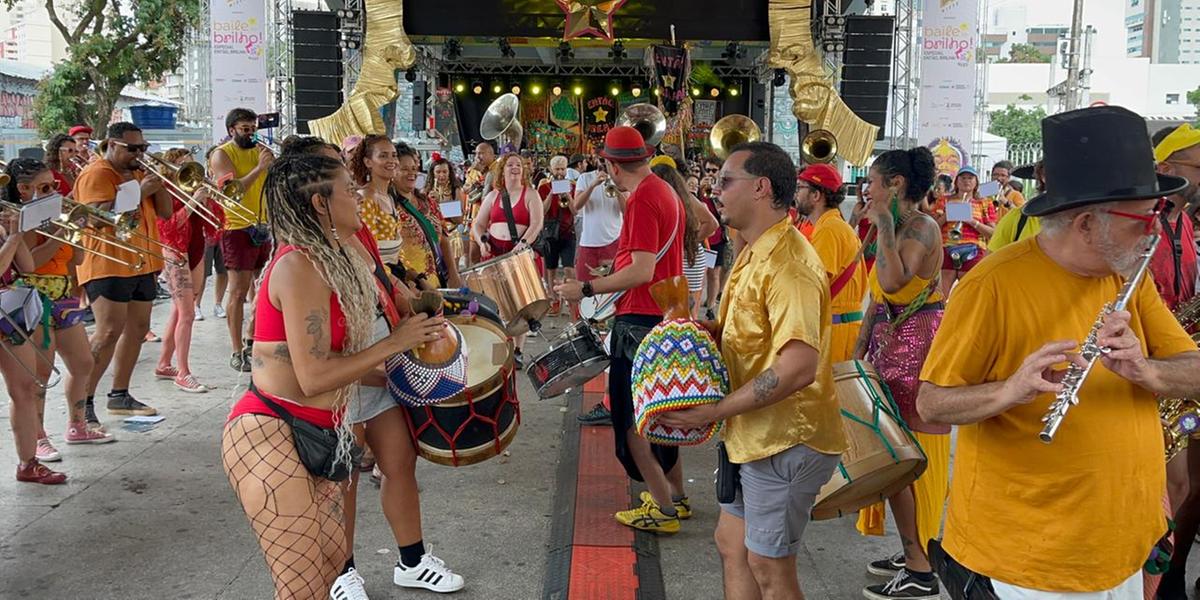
(44, 190)
(1150, 219)
(707, 170)
(801, 186)
(724, 180)
(68, 150)
(135, 148)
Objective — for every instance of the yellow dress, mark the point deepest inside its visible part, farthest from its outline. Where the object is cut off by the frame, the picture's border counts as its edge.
(932, 487)
(837, 244)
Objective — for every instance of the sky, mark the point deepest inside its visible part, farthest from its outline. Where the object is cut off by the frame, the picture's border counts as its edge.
(1107, 16)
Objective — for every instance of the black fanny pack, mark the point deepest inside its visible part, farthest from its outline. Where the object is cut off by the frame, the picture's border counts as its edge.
(259, 234)
(729, 476)
(317, 446)
(960, 582)
(626, 339)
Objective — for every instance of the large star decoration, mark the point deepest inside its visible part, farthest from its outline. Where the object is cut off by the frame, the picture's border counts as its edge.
(589, 17)
(600, 115)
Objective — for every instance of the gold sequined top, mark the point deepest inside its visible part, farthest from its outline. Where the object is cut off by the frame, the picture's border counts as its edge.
(778, 292)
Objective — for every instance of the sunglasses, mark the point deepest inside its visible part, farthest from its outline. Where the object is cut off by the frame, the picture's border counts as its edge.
(135, 148)
(44, 190)
(711, 170)
(1150, 219)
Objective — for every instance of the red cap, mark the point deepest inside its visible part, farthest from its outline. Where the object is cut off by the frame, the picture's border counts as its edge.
(625, 144)
(823, 176)
(79, 129)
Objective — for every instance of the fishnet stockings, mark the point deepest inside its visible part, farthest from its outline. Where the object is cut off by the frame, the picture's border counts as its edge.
(297, 517)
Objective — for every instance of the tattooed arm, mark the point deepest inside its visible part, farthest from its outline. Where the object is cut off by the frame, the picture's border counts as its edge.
(864, 333)
(902, 256)
(302, 295)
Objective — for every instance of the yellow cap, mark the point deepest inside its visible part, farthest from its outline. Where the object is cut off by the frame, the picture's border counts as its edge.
(663, 159)
(1184, 137)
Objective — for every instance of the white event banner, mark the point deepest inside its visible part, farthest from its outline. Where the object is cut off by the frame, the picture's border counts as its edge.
(947, 97)
(239, 59)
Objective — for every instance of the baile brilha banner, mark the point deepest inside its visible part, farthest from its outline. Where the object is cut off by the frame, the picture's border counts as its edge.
(239, 59)
(947, 102)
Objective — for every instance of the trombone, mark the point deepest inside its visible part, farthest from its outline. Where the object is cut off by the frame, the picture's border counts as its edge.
(181, 182)
(124, 229)
(74, 236)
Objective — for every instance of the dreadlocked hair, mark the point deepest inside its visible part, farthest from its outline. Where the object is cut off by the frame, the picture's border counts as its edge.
(20, 170)
(358, 157)
(289, 187)
(691, 230)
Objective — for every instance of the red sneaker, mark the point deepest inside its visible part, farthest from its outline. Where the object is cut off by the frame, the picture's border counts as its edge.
(80, 433)
(36, 472)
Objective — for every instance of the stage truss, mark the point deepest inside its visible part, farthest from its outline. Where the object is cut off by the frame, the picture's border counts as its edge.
(902, 116)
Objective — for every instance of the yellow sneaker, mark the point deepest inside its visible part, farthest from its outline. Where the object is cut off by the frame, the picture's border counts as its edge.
(647, 517)
(682, 507)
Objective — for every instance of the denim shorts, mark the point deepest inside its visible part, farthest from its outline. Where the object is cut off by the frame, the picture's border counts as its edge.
(370, 402)
(776, 497)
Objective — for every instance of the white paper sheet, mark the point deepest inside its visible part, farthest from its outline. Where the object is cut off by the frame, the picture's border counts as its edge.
(710, 258)
(989, 189)
(421, 177)
(958, 211)
(560, 186)
(451, 209)
(129, 197)
(37, 213)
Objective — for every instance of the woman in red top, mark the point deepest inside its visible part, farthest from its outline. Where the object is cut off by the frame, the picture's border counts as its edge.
(184, 232)
(491, 230)
(60, 157)
(964, 243)
(313, 329)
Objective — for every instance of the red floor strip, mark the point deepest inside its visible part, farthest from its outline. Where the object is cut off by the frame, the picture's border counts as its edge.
(603, 563)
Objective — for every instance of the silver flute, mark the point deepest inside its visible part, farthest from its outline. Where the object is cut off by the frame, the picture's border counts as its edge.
(1091, 351)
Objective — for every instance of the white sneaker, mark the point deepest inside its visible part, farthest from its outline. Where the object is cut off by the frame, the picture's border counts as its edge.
(199, 314)
(348, 586)
(431, 574)
(219, 311)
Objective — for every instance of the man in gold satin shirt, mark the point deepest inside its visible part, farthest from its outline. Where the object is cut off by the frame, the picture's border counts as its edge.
(783, 427)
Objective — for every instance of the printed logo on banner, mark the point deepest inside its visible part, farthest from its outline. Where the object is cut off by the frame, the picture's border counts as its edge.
(238, 36)
(600, 114)
(948, 72)
(239, 48)
(949, 155)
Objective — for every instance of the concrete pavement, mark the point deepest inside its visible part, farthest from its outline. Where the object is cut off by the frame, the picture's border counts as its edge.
(152, 516)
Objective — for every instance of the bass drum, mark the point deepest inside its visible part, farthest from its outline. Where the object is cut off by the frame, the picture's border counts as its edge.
(883, 456)
(480, 422)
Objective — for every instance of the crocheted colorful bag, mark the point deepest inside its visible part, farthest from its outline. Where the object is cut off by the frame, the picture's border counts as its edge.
(678, 365)
(423, 377)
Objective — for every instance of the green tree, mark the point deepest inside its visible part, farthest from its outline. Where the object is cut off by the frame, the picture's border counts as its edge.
(1025, 53)
(111, 44)
(1193, 98)
(1017, 125)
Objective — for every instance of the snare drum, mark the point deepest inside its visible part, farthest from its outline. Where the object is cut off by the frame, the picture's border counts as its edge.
(480, 422)
(575, 358)
(598, 308)
(883, 457)
(514, 282)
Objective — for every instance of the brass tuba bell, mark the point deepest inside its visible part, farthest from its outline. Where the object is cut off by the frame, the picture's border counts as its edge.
(647, 119)
(730, 131)
(819, 146)
(500, 121)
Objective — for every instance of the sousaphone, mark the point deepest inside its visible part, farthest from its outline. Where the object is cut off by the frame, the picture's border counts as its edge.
(647, 119)
(730, 131)
(500, 122)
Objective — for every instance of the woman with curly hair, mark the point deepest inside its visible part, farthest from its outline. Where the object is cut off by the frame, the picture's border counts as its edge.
(443, 186)
(61, 151)
(287, 442)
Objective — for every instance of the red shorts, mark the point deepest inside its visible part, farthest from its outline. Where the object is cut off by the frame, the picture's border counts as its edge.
(240, 253)
(588, 258)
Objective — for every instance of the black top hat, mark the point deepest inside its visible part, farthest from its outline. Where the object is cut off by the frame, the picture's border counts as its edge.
(1096, 155)
(1025, 171)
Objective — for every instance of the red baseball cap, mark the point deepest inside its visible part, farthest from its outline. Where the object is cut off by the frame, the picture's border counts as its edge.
(625, 144)
(79, 129)
(822, 175)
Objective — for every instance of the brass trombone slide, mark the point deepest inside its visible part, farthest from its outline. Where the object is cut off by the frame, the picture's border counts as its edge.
(181, 182)
(190, 176)
(74, 236)
(124, 229)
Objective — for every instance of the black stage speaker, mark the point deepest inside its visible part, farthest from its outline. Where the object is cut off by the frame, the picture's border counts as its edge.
(867, 67)
(419, 94)
(318, 66)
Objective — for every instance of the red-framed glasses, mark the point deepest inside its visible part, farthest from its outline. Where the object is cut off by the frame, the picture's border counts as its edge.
(1150, 218)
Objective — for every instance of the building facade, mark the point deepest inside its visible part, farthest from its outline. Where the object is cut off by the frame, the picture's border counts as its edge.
(1164, 31)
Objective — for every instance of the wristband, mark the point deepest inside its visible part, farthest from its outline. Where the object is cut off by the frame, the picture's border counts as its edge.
(588, 292)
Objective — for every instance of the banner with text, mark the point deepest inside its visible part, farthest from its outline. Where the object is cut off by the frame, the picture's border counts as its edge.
(947, 101)
(239, 59)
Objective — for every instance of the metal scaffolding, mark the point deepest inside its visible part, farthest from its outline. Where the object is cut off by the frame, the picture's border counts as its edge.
(905, 79)
(280, 68)
(352, 25)
(197, 71)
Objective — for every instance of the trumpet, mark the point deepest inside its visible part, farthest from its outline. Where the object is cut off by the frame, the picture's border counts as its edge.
(181, 182)
(1090, 350)
(955, 234)
(610, 189)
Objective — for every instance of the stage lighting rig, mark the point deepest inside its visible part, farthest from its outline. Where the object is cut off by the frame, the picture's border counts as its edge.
(410, 75)
(833, 33)
(506, 49)
(452, 49)
(617, 53)
(733, 53)
(779, 78)
(636, 90)
(565, 52)
(477, 87)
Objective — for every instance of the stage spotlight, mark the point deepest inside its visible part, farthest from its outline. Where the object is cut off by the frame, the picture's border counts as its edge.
(614, 88)
(733, 91)
(477, 87)
(577, 90)
(506, 49)
(535, 89)
(617, 53)
(516, 89)
(556, 89)
(657, 92)
(714, 92)
(565, 52)
(460, 87)
(636, 90)
(497, 87)
(733, 52)
(350, 43)
(695, 91)
(410, 75)
(779, 78)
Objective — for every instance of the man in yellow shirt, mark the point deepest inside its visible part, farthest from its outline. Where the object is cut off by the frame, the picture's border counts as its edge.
(1016, 225)
(121, 295)
(783, 427)
(245, 244)
(1077, 516)
(819, 198)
